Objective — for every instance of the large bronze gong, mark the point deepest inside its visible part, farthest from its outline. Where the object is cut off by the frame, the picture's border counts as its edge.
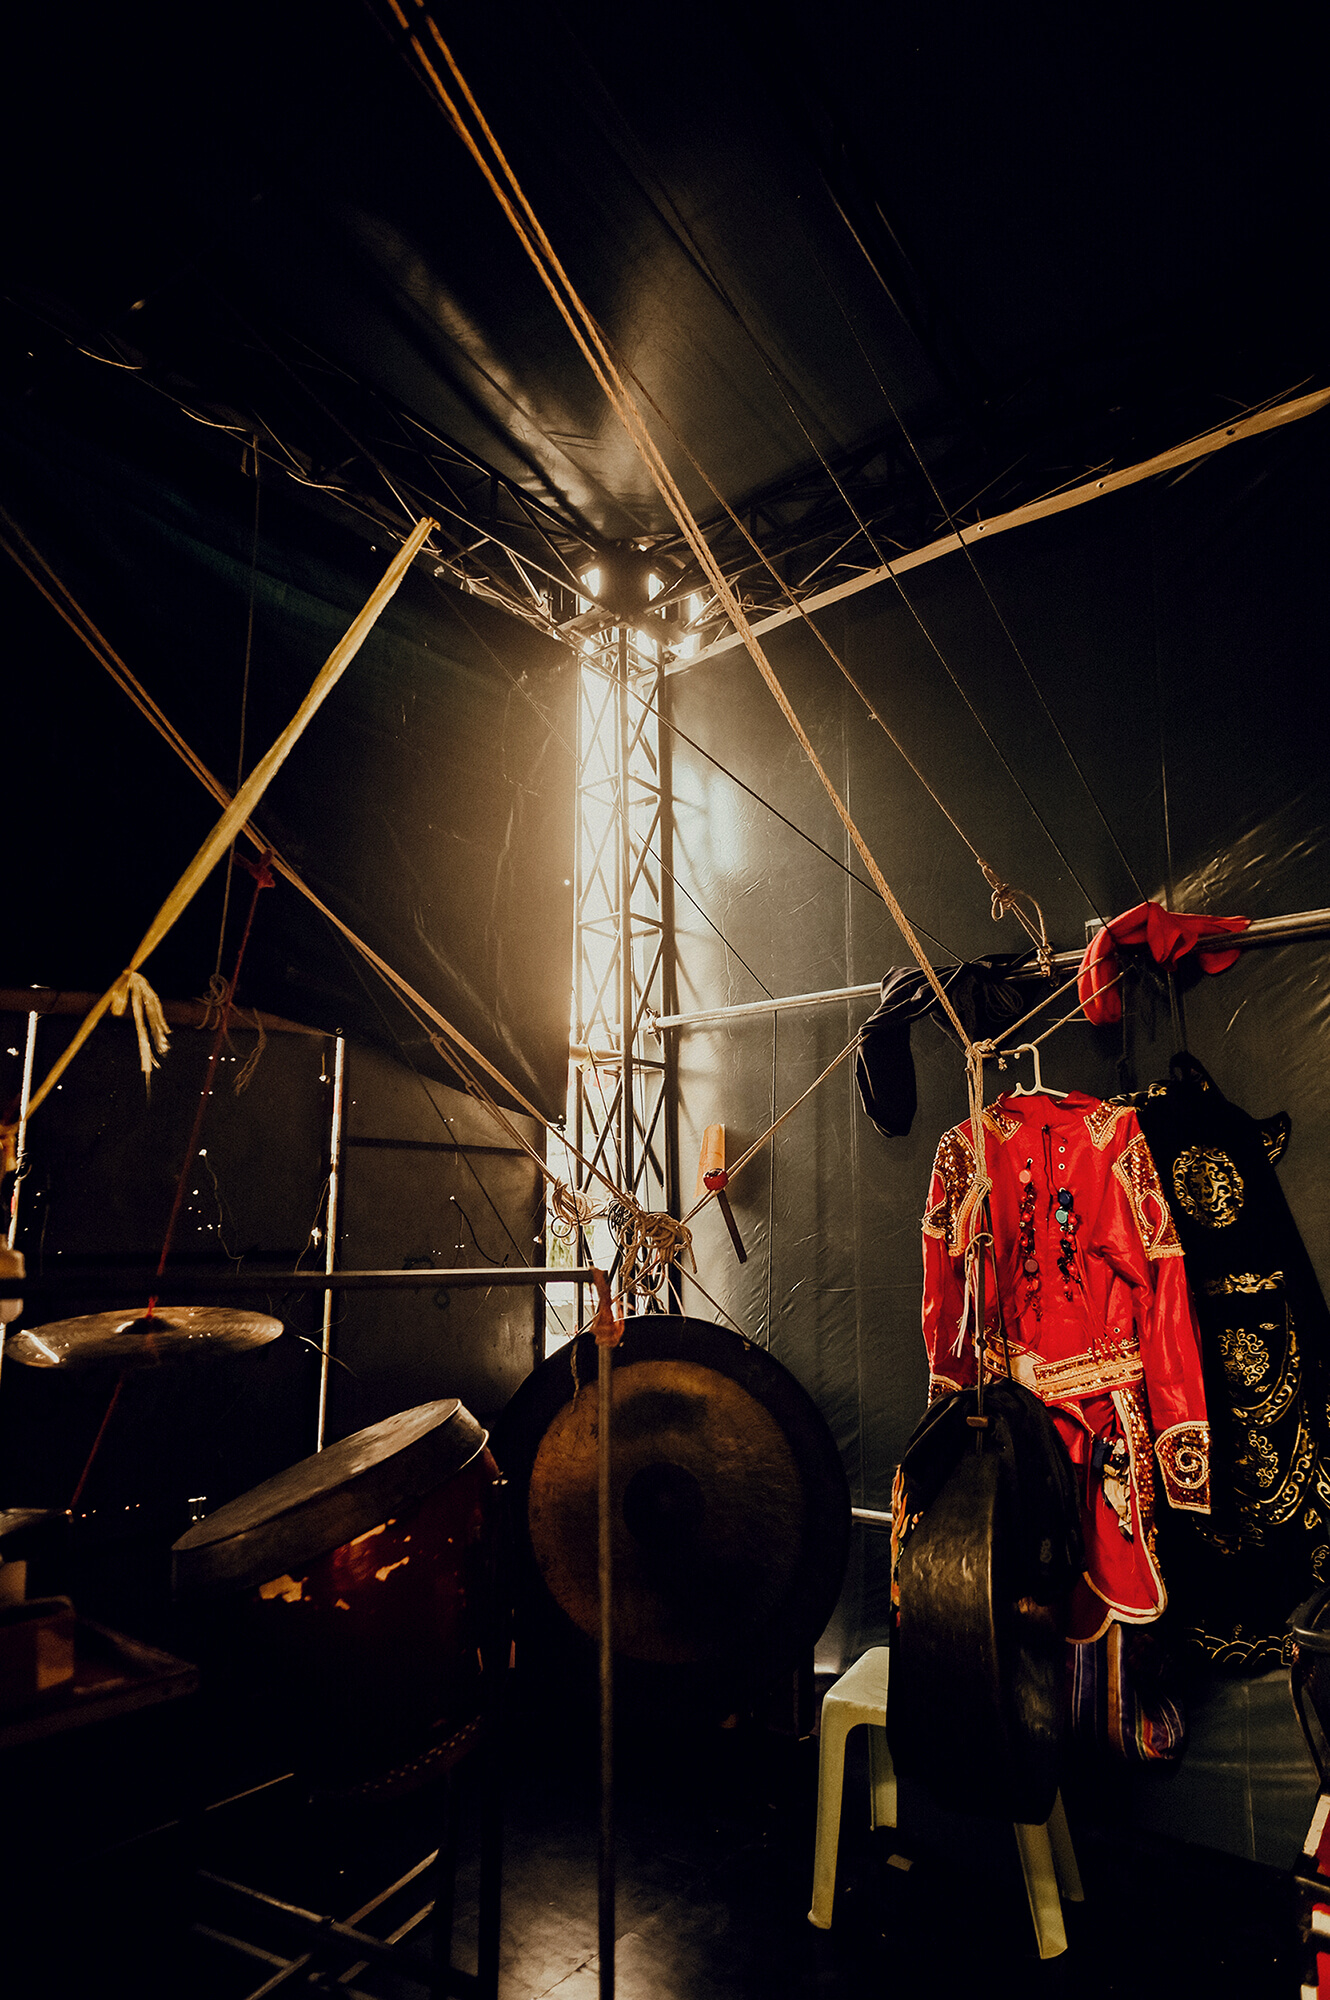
(731, 1508)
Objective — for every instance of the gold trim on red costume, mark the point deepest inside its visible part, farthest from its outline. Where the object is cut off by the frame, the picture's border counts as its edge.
(1135, 1168)
(1183, 1452)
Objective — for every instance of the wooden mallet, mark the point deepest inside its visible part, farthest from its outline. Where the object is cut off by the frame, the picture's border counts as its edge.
(713, 1179)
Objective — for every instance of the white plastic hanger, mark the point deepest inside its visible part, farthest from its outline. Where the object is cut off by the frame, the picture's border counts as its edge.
(1039, 1087)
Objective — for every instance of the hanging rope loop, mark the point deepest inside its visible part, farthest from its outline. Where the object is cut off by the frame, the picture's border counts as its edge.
(649, 1242)
(572, 1211)
(1007, 901)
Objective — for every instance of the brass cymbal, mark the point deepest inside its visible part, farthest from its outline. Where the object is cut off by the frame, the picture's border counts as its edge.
(130, 1339)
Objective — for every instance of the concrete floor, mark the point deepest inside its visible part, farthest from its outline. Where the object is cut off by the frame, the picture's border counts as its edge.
(715, 1860)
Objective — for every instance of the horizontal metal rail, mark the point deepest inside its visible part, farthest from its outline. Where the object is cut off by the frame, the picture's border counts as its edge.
(1302, 926)
(200, 1284)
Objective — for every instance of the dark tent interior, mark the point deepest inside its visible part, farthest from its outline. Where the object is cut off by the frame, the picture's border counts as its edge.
(877, 286)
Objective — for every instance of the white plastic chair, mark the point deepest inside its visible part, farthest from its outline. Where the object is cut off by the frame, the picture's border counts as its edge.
(1048, 1861)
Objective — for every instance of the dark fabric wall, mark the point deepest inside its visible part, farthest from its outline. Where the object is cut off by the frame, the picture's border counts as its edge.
(431, 1179)
(1175, 633)
(429, 802)
(428, 1178)
(104, 1157)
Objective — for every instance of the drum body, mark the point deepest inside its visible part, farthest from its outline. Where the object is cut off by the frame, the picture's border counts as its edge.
(977, 1704)
(348, 1601)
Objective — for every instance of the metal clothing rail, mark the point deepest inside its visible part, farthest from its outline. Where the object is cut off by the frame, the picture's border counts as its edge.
(198, 1284)
(1302, 925)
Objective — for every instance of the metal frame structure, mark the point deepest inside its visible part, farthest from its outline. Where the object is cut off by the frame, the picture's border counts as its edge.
(621, 1088)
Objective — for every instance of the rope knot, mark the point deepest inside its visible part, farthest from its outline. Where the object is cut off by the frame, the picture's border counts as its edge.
(1007, 901)
(572, 1211)
(607, 1326)
(656, 1238)
(213, 1002)
(132, 990)
(260, 871)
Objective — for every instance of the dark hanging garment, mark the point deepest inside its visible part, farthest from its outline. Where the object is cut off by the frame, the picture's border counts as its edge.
(986, 999)
(1265, 1347)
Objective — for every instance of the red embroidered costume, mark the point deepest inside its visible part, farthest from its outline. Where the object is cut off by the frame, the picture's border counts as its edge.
(1091, 1291)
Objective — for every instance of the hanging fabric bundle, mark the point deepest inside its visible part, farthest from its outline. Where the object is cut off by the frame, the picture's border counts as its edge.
(1167, 934)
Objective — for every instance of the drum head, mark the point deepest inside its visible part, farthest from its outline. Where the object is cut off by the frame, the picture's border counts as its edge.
(344, 1491)
(731, 1508)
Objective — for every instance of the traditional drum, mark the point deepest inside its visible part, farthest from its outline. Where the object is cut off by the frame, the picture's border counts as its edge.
(731, 1510)
(352, 1596)
(988, 1548)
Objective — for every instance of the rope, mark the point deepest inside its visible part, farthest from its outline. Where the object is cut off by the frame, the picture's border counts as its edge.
(1007, 633)
(244, 706)
(262, 880)
(1008, 900)
(133, 990)
(665, 722)
(598, 357)
(237, 812)
(796, 603)
(443, 1037)
(663, 1238)
(572, 1211)
(782, 383)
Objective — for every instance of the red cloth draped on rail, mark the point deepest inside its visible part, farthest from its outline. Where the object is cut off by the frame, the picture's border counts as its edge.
(1168, 935)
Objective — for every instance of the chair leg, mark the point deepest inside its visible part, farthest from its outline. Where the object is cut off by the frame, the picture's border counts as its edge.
(490, 1773)
(836, 1727)
(445, 1886)
(1064, 1854)
(1041, 1886)
(881, 1778)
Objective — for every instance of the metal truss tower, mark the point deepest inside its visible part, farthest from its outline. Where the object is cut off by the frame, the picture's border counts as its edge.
(622, 1082)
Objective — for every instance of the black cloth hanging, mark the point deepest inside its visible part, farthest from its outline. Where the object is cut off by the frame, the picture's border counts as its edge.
(985, 997)
(1265, 1344)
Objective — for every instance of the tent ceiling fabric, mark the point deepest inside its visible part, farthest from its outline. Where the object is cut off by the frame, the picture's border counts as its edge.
(1042, 241)
(835, 246)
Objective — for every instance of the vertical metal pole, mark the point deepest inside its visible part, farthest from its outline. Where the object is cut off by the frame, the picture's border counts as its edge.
(579, 918)
(626, 996)
(605, 1553)
(669, 982)
(21, 1136)
(330, 1245)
